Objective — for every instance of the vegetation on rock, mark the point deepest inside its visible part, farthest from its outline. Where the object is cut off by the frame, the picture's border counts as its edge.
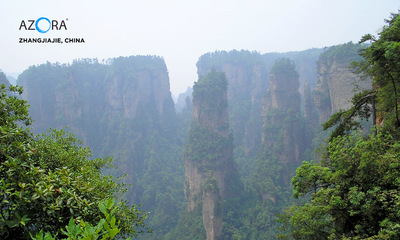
(47, 180)
(354, 189)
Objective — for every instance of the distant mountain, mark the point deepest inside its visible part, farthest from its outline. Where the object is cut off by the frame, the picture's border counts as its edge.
(181, 100)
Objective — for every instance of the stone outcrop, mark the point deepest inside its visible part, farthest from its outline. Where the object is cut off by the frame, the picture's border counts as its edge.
(86, 92)
(246, 73)
(124, 94)
(209, 153)
(182, 100)
(336, 82)
(310, 111)
(305, 62)
(284, 87)
(282, 129)
(3, 79)
(122, 108)
(248, 77)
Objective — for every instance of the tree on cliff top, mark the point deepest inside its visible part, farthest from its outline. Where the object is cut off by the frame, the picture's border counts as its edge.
(382, 62)
(210, 87)
(284, 66)
(49, 179)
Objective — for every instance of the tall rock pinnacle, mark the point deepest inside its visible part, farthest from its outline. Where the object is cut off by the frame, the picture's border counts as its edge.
(209, 152)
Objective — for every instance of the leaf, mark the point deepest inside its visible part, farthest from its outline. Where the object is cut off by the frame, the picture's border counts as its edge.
(113, 232)
(110, 203)
(106, 226)
(102, 208)
(112, 222)
(99, 226)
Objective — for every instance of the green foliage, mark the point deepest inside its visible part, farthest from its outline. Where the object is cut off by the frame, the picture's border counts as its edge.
(354, 189)
(49, 179)
(189, 227)
(257, 221)
(268, 190)
(106, 228)
(266, 177)
(249, 79)
(354, 192)
(147, 144)
(13, 109)
(216, 59)
(348, 121)
(381, 61)
(307, 222)
(284, 66)
(206, 146)
(152, 160)
(266, 195)
(345, 53)
(153, 167)
(208, 91)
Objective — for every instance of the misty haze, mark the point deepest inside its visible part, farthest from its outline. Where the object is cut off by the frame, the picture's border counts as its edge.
(100, 140)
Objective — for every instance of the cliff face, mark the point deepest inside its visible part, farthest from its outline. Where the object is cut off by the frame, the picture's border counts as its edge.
(87, 95)
(285, 139)
(209, 152)
(284, 88)
(310, 110)
(184, 100)
(305, 62)
(121, 109)
(125, 92)
(336, 82)
(282, 129)
(247, 77)
(3, 79)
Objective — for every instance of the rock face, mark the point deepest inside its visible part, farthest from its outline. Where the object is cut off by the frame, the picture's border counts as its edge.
(3, 79)
(310, 111)
(305, 62)
(282, 129)
(247, 77)
(284, 87)
(181, 102)
(87, 95)
(336, 82)
(209, 152)
(122, 108)
(129, 88)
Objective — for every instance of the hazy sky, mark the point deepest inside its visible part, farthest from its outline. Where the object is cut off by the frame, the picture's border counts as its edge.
(182, 30)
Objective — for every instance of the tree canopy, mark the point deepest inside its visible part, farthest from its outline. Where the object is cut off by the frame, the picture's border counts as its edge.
(354, 190)
(381, 62)
(47, 180)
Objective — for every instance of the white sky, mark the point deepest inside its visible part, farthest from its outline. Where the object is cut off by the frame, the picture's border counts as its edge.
(182, 30)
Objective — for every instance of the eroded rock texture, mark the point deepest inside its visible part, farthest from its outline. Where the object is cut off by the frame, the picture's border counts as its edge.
(208, 157)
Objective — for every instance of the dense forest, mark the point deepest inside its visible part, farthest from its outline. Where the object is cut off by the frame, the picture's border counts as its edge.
(296, 145)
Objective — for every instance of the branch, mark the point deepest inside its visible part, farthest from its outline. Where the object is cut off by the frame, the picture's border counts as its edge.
(345, 117)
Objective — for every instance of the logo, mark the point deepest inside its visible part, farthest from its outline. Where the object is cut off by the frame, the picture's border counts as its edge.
(43, 25)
